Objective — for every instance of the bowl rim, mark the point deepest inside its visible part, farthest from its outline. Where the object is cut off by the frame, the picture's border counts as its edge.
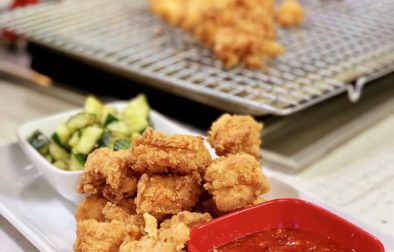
(301, 202)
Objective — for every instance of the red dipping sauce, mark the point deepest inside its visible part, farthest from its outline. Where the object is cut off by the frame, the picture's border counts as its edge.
(282, 240)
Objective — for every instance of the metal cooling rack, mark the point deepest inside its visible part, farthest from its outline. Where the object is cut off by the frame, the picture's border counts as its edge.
(341, 42)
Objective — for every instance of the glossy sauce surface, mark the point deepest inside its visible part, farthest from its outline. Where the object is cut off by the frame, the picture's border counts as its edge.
(283, 240)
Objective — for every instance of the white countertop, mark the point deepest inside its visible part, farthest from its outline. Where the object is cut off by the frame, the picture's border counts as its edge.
(355, 176)
(19, 104)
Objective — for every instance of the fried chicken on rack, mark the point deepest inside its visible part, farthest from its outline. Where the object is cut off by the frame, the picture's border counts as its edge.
(231, 134)
(156, 152)
(108, 172)
(238, 31)
(162, 196)
(235, 182)
(290, 13)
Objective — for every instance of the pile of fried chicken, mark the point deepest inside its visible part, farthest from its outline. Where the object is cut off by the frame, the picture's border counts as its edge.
(238, 31)
(149, 198)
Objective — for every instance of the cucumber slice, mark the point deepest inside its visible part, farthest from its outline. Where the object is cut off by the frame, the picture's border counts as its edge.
(110, 119)
(76, 162)
(61, 164)
(49, 158)
(80, 120)
(137, 123)
(90, 137)
(81, 158)
(119, 126)
(106, 139)
(74, 140)
(39, 142)
(93, 106)
(61, 135)
(137, 106)
(136, 115)
(57, 152)
(122, 144)
(106, 111)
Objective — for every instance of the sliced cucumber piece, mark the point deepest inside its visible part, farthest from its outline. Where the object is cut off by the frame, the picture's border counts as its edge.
(76, 162)
(74, 140)
(81, 158)
(136, 115)
(93, 106)
(61, 164)
(62, 135)
(49, 158)
(137, 123)
(80, 120)
(106, 139)
(89, 139)
(106, 111)
(57, 152)
(119, 126)
(39, 142)
(137, 106)
(110, 119)
(122, 144)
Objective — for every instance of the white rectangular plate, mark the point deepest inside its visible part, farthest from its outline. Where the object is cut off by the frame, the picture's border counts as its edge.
(47, 220)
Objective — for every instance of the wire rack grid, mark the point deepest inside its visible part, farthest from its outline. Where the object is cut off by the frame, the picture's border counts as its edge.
(339, 43)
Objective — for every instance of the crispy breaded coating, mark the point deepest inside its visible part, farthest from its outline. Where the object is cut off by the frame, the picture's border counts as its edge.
(231, 134)
(108, 172)
(97, 236)
(190, 219)
(235, 181)
(172, 235)
(112, 211)
(91, 208)
(156, 152)
(161, 196)
(238, 31)
(290, 13)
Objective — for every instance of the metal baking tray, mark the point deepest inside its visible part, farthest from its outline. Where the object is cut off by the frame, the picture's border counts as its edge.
(341, 46)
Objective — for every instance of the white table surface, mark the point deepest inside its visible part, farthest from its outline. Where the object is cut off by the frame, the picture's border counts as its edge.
(19, 104)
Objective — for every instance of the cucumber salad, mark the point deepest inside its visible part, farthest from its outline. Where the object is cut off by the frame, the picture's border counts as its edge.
(98, 125)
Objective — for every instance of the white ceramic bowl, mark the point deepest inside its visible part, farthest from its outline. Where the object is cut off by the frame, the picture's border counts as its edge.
(65, 182)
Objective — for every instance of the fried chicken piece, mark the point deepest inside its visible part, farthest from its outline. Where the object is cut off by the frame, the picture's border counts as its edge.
(108, 172)
(161, 196)
(116, 224)
(111, 212)
(91, 208)
(210, 207)
(155, 152)
(103, 236)
(231, 134)
(171, 10)
(290, 13)
(235, 181)
(190, 219)
(172, 235)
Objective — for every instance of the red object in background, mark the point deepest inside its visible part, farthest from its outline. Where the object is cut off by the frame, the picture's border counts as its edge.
(20, 3)
(9, 35)
(282, 213)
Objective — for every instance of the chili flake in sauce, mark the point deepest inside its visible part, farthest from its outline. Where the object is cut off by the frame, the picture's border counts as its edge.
(283, 240)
